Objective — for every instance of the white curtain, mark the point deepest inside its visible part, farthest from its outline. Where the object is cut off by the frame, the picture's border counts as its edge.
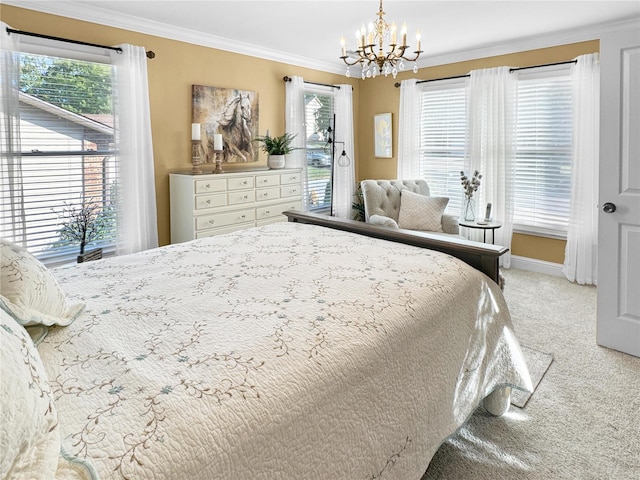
(343, 176)
(409, 131)
(295, 124)
(491, 151)
(581, 251)
(11, 164)
(137, 227)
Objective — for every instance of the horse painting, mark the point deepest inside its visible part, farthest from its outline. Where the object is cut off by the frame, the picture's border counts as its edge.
(235, 126)
(233, 114)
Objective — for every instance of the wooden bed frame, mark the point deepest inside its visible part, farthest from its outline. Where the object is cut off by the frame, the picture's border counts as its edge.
(481, 256)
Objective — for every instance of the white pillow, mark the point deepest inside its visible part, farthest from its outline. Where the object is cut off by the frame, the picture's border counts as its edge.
(420, 212)
(29, 292)
(29, 434)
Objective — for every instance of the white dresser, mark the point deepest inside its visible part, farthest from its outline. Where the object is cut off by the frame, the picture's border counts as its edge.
(210, 204)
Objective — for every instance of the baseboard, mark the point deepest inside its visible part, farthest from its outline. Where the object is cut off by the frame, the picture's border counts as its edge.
(539, 266)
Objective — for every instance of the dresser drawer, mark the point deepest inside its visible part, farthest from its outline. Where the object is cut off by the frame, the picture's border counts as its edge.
(211, 185)
(239, 183)
(204, 222)
(290, 190)
(267, 194)
(210, 201)
(274, 211)
(267, 180)
(238, 198)
(287, 178)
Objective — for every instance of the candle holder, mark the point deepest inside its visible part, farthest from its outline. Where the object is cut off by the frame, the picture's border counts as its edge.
(196, 155)
(218, 159)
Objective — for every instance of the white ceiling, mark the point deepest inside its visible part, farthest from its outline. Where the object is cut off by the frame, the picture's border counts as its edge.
(307, 33)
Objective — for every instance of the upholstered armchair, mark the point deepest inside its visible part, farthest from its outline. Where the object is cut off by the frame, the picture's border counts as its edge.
(383, 206)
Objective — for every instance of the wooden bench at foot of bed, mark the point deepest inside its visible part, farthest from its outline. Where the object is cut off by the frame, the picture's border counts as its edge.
(481, 256)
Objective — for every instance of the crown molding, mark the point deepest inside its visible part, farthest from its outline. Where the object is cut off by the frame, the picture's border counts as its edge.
(85, 12)
(592, 32)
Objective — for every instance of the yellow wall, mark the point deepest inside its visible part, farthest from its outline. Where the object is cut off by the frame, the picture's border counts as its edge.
(179, 65)
(175, 68)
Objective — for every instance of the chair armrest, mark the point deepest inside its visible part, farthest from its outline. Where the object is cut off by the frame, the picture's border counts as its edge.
(383, 221)
(450, 224)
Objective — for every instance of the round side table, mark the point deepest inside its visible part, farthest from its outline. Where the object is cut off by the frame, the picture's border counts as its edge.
(483, 226)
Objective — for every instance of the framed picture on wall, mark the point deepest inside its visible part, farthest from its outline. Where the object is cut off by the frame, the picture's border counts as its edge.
(232, 113)
(382, 135)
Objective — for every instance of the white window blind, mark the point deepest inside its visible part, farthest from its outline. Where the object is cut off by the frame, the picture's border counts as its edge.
(319, 110)
(68, 155)
(443, 127)
(543, 139)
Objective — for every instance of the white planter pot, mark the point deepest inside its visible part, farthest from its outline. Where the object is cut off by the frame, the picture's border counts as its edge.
(276, 161)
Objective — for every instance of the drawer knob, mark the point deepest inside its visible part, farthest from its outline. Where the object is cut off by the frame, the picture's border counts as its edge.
(267, 212)
(242, 217)
(244, 183)
(207, 186)
(294, 190)
(245, 197)
(211, 222)
(208, 202)
(265, 194)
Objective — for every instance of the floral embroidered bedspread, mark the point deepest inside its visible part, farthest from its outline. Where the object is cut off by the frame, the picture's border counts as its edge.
(283, 352)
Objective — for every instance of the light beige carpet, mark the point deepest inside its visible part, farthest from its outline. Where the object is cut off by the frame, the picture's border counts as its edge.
(582, 422)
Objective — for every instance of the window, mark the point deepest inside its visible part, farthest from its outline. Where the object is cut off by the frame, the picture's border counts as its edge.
(68, 155)
(543, 147)
(443, 124)
(543, 138)
(319, 116)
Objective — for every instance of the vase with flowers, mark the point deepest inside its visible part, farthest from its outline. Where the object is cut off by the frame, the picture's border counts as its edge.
(470, 186)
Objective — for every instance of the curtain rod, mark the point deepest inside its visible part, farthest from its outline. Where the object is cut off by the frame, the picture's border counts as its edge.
(149, 54)
(540, 66)
(511, 70)
(288, 79)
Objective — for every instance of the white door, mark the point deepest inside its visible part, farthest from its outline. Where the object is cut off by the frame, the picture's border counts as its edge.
(619, 196)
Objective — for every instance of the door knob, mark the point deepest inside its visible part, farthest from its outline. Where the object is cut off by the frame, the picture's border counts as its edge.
(609, 207)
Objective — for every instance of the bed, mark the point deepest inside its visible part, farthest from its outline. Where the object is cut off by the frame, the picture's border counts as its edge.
(289, 351)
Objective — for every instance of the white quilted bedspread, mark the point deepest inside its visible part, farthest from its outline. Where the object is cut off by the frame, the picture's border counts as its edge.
(283, 352)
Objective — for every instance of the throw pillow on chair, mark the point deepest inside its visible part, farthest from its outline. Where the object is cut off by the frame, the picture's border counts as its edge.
(420, 212)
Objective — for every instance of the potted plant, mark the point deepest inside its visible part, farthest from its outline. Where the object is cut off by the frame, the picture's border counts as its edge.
(276, 148)
(84, 224)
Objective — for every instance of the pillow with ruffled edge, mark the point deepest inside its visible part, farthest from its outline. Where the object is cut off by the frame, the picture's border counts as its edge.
(29, 433)
(420, 212)
(29, 292)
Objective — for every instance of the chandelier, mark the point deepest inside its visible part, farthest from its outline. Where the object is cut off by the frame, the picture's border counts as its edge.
(372, 57)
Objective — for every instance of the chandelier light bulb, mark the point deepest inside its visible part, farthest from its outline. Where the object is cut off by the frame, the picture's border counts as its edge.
(378, 49)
